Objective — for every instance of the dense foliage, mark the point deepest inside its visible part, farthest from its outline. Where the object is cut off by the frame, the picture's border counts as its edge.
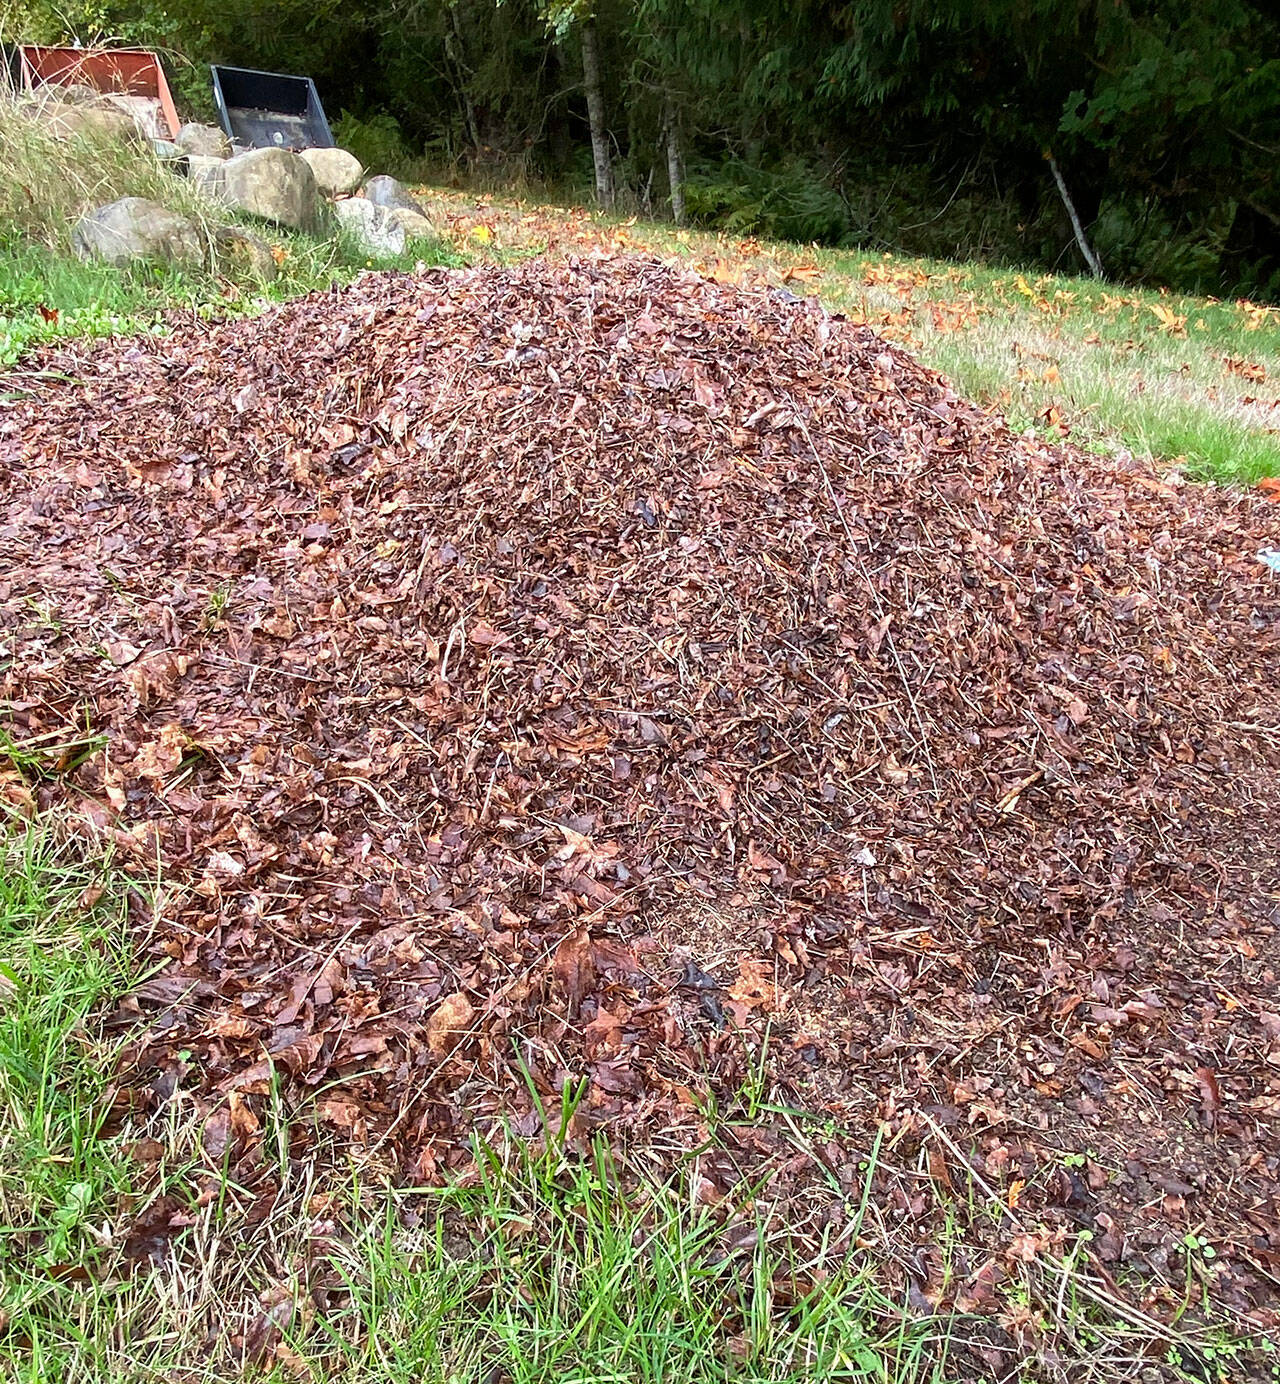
(923, 125)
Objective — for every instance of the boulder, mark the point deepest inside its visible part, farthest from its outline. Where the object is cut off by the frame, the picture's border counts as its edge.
(384, 191)
(370, 226)
(135, 229)
(166, 151)
(336, 172)
(413, 223)
(144, 111)
(242, 255)
(272, 184)
(80, 94)
(205, 172)
(82, 121)
(206, 140)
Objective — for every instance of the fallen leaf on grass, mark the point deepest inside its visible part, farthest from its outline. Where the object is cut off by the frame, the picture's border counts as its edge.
(1174, 323)
(1246, 369)
(231, 1129)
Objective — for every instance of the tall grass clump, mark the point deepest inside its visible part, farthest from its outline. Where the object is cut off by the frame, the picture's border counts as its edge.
(49, 178)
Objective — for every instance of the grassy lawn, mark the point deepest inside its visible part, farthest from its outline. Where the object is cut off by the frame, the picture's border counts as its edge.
(1191, 382)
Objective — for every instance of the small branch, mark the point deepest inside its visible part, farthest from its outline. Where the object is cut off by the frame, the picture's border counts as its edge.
(1272, 149)
(1090, 258)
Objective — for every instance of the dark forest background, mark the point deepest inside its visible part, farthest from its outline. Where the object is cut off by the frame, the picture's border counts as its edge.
(963, 128)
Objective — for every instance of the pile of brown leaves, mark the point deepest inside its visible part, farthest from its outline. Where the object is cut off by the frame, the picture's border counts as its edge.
(579, 671)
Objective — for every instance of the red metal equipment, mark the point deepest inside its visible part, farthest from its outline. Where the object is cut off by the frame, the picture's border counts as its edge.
(126, 72)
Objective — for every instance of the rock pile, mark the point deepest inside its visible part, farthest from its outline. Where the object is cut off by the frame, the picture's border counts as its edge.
(317, 191)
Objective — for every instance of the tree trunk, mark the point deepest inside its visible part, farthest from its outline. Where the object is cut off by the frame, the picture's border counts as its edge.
(675, 168)
(453, 47)
(595, 115)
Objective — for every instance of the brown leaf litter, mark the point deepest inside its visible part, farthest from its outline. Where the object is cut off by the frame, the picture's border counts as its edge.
(588, 670)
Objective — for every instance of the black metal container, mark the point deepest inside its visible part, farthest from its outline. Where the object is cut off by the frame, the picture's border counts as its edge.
(270, 110)
(10, 69)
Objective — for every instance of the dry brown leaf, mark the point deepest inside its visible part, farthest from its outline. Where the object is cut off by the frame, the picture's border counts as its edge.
(450, 1023)
(573, 967)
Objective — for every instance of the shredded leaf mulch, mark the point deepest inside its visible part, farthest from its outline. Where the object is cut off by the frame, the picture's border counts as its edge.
(597, 671)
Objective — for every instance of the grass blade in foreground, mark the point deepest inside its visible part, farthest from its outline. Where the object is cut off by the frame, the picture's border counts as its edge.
(544, 1269)
(63, 949)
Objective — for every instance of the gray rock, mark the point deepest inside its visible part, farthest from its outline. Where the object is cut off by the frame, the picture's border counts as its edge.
(144, 111)
(242, 255)
(370, 226)
(166, 151)
(80, 94)
(272, 184)
(206, 140)
(82, 121)
(413, 223)
(135, 229)
(336, 172)
(205, 173)
(384, 191)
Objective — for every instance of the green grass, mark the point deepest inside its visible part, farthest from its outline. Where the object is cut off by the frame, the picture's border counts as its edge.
(46, 296)
(63, 949)
(567, 1277)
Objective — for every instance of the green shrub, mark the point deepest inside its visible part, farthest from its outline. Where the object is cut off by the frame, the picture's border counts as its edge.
(791, 201)
(1136, 244)
(376, 140)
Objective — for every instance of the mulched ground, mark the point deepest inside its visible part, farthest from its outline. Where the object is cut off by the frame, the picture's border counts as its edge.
(594, 670)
